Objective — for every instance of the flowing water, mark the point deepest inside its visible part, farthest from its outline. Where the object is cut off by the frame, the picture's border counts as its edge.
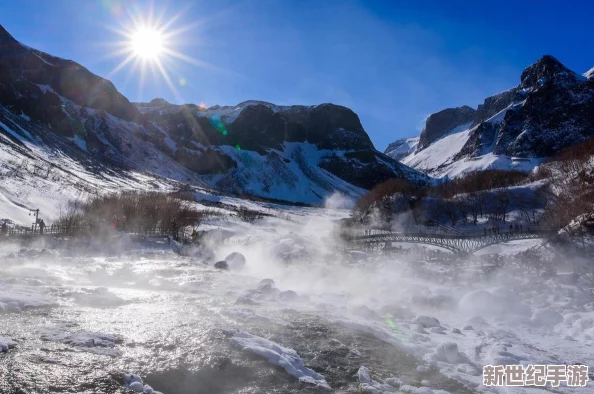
(299, 318)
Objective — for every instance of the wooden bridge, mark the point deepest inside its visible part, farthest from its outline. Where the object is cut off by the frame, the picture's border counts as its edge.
(375, 239)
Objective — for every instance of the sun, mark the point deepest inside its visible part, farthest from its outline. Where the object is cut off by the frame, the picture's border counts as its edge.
(147, 43)
(153, 46)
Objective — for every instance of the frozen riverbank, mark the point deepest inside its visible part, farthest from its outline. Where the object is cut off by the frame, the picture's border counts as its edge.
(78, 321)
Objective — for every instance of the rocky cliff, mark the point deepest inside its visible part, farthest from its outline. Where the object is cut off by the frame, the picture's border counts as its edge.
(293, 153)
(551, 108)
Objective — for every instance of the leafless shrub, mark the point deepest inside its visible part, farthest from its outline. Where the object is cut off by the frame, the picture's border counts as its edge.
(132, 212)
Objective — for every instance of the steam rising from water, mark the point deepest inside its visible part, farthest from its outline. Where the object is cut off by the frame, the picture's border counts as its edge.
(444, 312)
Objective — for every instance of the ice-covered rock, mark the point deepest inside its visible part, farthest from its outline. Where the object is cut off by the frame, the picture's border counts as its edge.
(448, 352)
(235, 260)
(368, 385)
(276, 354)
(221, 265)
(134, 383)
(364, 375)
(6, 343)
(426, 321)
(95, 342)
(266, 286)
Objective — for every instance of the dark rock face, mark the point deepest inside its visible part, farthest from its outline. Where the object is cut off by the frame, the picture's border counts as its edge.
(253, 148)
(367, 168)
(207, 162)
(547, 70)
(494, 105)
(552, 108)
(440, 123)
(64, 77)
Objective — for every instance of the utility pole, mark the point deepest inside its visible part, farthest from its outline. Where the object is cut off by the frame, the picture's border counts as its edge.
(36, 216)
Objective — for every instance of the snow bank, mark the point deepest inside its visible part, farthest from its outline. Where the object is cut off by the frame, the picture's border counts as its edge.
(6, 343)
(15, 298)
(94, 342)
(134, 383)
(278, 355)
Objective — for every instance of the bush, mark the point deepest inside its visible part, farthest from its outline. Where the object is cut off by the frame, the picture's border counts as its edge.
(131, 212)
(479, 181)
(383, 190)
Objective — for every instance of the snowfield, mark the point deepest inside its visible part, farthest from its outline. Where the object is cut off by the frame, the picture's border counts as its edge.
(298, 318)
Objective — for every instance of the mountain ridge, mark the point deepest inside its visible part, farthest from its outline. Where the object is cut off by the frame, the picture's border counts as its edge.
(292, 153)
(551, 108)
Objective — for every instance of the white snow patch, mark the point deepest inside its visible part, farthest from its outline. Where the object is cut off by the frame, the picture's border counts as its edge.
(134, 383)
(278, 355)
(94, 342)
(6, 344)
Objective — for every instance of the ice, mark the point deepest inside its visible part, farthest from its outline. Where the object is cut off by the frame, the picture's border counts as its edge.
(448, 352)
(366, 384)
(6, 343)
(276, 354)
(94, 342)
(15, 298)
(134, 383)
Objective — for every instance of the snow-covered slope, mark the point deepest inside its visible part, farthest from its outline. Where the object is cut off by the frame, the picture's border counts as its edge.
(55, 112)
(402, 148)
(549, 110)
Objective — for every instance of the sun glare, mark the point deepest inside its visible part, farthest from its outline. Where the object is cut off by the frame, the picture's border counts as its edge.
(147, 43)
(150, 45)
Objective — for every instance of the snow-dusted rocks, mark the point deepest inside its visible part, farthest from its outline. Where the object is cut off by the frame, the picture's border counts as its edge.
(426, 321)
(368, 385)
(448, 352)
(274, 353)
(94, 342)
(6, 344)
(236, 261)
(221, 265)
(134, 383)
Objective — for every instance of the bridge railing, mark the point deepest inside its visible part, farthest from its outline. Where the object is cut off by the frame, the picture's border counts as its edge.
(436, 231)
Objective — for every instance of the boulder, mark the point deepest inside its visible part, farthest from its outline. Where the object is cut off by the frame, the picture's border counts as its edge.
(235, 260)
(222, 265)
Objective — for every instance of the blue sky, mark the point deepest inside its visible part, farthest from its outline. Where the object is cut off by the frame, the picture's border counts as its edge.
(392, 62)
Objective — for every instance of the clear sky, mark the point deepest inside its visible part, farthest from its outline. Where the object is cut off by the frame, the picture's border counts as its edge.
(392, 62)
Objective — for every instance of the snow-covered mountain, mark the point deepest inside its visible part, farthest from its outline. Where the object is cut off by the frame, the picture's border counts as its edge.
(55, 111)
(551, 108)
(402, 148)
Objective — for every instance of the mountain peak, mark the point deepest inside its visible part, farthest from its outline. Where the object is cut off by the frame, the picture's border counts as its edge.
(546, 69)
(439, 124)
(4, 34)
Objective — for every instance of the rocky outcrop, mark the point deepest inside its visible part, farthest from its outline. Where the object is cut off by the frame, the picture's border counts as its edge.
(402, 148)
(28, 67)
(551, 108)
(493, 105)
(443, 122)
